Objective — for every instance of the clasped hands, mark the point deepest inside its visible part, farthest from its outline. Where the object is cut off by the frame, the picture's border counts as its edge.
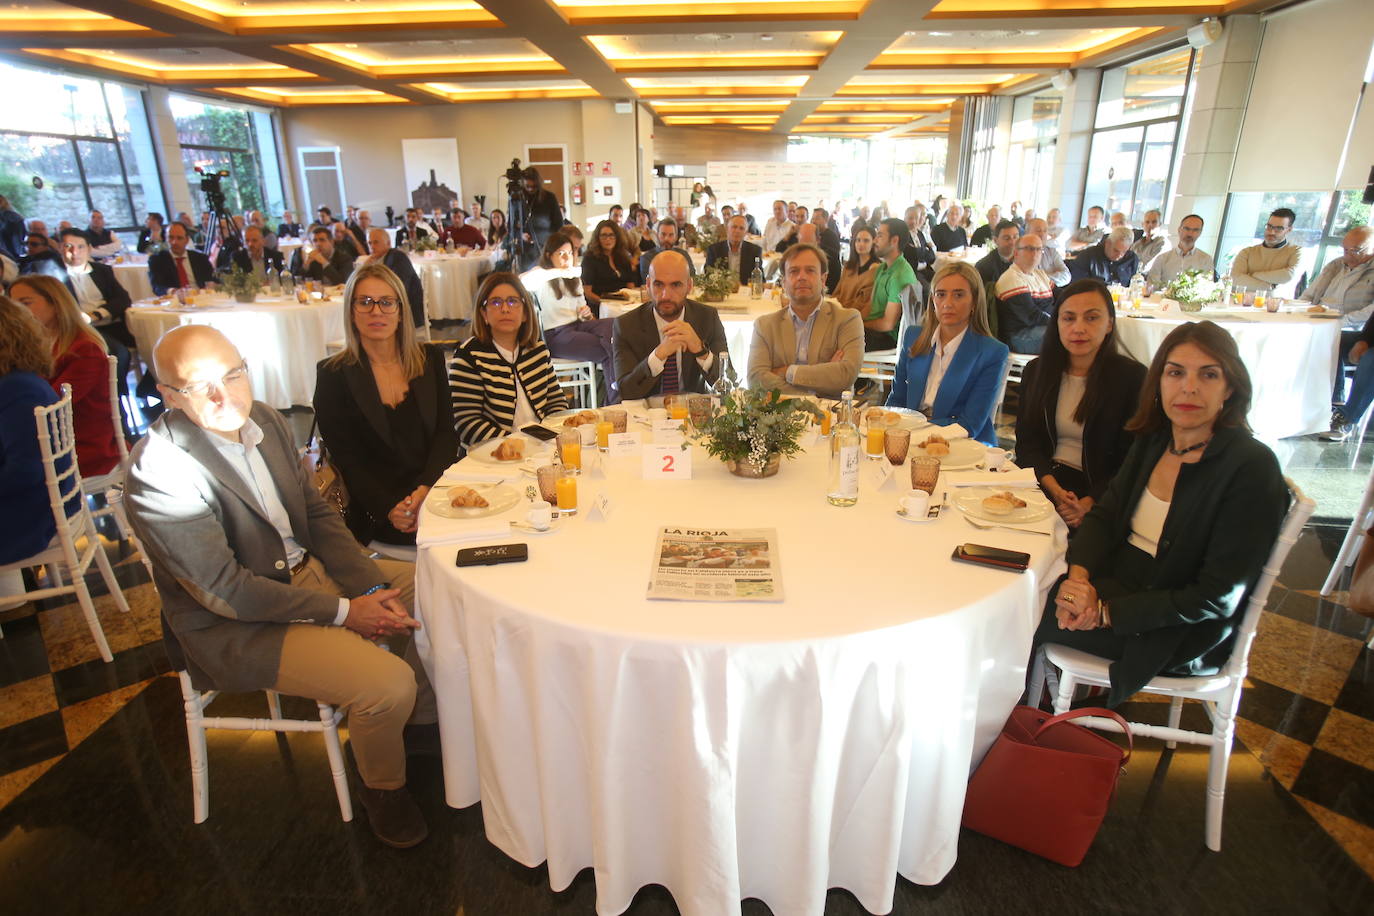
(1076, 605)
(405, 515)
(379, 614)
(678, 337)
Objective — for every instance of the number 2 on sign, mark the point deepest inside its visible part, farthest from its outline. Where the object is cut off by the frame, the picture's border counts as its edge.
(667, 462)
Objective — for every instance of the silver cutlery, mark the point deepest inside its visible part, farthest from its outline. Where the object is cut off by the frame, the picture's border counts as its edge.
(988, 526)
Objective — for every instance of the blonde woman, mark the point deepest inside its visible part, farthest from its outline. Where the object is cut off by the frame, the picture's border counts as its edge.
(951, 366)
(382, 404)
(80, 360)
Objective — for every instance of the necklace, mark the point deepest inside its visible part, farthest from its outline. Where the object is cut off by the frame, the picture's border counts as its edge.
(1177, 452)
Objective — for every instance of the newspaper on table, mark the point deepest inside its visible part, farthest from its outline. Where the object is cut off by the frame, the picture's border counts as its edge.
(705, 564)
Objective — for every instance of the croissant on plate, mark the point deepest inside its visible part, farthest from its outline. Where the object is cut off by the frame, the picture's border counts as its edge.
(466, 498)
(509, 450)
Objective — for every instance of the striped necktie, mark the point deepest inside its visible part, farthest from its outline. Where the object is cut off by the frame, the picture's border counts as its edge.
(668, 382)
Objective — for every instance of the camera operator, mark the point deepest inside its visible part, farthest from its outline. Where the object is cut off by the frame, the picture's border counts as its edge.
(543, 217)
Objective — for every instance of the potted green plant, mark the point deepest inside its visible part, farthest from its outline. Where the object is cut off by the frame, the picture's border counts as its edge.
(1193, 289)
(243, 285)
(717, 282)
(753, 430)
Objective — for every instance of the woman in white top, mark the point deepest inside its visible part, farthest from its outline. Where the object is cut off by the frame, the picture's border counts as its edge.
(571, 331)
(1159, 568)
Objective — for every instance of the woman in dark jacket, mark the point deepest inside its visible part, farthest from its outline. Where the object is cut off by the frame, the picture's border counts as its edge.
(1160, 567)
(384, 412)
(608, 264)
(1076, 398)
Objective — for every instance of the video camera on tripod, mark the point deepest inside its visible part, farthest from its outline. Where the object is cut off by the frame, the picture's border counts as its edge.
(211, 187)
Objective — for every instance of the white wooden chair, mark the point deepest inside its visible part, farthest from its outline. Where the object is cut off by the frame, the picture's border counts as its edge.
(197, 723)
(1016, 365)
(66, 562)
(111, 483)
(578, 376)
(1354, 540)
(881, 365)
(1219, 693)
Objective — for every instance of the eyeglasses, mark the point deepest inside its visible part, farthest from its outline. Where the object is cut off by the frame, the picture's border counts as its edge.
(388, 304)
(1035, 248)
(1271, 226)
(201, 389)
(510, 302)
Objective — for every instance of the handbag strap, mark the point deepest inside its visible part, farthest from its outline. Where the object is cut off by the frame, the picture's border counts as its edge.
(1084, 713)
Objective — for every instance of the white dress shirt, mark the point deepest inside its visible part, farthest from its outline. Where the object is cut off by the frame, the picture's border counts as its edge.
(524, 412)
(656, 365)
(939, 365)
(774, 231)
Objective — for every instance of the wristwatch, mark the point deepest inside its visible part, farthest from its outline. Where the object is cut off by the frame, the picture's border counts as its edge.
(700, 353)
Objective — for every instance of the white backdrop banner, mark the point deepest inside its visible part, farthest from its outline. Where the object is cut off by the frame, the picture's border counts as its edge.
(432, 173)
(760, 183)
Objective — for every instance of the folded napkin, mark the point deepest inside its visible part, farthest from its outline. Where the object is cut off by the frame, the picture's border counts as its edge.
(1022, 478)
(480, 471)
(437, 530)
(952, 431)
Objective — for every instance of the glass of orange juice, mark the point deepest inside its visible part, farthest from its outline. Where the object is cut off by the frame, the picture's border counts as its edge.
(567, 495)
(570, 450)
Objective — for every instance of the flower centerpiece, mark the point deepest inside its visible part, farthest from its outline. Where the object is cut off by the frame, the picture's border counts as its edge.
(1192, 289)
(717, 282)
(243, 285)
(707, 236)
(424, 243)
(752, 430)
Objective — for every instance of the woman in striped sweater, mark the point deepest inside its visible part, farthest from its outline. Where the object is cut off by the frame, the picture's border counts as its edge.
(502, 378)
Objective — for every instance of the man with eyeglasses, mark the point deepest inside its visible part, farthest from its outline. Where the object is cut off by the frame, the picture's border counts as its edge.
(1051, 262)
(381, 251)
(1025, 298)
(669, 344)
(1272, 263)
(1183, 256)
(262, 586)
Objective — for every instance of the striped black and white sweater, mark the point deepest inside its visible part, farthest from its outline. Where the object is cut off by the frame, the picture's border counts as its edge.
(483, 386)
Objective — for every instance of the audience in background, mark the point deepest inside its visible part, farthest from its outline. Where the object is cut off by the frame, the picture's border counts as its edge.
(178, 266)
(1110, 260)
(255, 257)
(103, 243)
(324, 263)
(151, 237)
(950, 234)
(894, 286)
(855, 289)
(380, 251)
(1051, 262)
(609, 264)
(1273, 262)
(571, 331)
(667, 238)
(1152, 240)
(1025, 298)
(496, 232)
(1089, 234)
(983, 235)
(288, 228)
(1184, 256)
(995, 262)
(742, 255)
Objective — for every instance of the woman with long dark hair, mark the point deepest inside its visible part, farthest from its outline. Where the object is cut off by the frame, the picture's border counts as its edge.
(1076, 398)
(1159, 568)
(855, 289)
(571, 331)
(496, 232)
(608, 264)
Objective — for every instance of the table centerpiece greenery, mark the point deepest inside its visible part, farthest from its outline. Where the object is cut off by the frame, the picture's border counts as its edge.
(752, 430)
(1193, 289)
(717, 282)
(243, 285)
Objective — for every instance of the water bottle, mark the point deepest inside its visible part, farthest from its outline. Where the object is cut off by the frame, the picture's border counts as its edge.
(273, 283)
(288, 283)
(1137, 290)
(448, 244)
(725, 383)
(842, 485)
(756, 283)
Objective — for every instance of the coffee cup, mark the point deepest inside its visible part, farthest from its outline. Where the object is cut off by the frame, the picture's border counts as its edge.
(915, 503)
(995, 458)
(540, 515)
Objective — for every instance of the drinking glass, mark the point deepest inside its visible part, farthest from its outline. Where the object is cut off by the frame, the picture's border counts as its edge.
(548, 475)
(925, 472)
(896, 443)
(618, 417)
(699, 410)
(570, 450)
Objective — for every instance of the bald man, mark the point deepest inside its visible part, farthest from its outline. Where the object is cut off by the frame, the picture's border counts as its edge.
(261, 584)
(1346, 284)
(380, 250)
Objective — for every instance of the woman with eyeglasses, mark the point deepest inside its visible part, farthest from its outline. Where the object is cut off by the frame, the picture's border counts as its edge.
(609, 264)
(80, 359)
(571, 331)
(502, 377)
(383, 408)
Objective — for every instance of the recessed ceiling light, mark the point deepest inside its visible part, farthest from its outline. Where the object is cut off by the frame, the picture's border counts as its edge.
(350, 45)
(765, 37)
(935, 34)
(1030, 33)
(714, 36)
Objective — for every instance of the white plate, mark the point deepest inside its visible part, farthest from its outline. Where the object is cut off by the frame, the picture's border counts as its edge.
(501, 498)
(970, 500)
(963, 453)
(911, 419)
(533, 447)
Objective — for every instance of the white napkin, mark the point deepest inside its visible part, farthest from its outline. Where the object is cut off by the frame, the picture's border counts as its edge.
(481, 471)
(1022, 478)
(438, 530)
(951, 432)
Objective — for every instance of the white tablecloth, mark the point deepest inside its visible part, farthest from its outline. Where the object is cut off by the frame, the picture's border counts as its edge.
(1291, 358)
(450, 281)
(768, 750)
(282, 341)
(133, 276)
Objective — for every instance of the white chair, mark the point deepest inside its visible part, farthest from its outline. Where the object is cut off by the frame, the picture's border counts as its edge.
(881, 365)
(197, 723)
(111, 483)
(402, 552)
(64, 560)
(1219, 693)
(1016, 365)
(580, 377)
(1354, 540)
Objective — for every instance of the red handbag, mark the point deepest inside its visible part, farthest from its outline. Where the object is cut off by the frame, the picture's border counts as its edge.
(1046, 783)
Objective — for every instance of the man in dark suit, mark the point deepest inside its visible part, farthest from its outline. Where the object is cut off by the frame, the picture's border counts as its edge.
(43, 258)
(829, 241)
(735, 250)
(669, 344)
(288, 228)
(413, 228)
(325, 263)
(97, 291)
(261, 584)
(992, 265)
(667, 238)
(379, 243)
(179, 265)
(256, 258)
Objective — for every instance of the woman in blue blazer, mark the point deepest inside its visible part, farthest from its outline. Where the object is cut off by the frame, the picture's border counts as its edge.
(951, 366)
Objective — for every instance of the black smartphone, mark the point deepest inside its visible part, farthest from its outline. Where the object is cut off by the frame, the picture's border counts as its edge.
(542, 433)
(489, 556)
(992, 556)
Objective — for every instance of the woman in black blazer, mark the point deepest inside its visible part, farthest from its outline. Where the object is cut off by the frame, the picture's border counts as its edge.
(502, 376)
(383, 409)
(1077, 396)
(608, 265)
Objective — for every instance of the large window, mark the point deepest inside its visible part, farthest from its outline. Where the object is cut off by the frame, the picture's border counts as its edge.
(70, 145)
(1323, 219)
(899, 171)
(1034, 133)
(1139, 108)
(981, 114)
(239, 141)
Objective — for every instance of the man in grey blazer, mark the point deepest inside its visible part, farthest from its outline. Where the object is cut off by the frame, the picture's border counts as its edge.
(261, 584)
(813, 346)
(669, 344)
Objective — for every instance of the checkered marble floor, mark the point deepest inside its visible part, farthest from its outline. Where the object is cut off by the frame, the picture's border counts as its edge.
(1307, 715)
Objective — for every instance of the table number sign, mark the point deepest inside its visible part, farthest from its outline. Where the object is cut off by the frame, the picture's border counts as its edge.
(667, 462)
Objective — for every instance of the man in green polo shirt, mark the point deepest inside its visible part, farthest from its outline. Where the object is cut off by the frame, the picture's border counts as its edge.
(894, 275)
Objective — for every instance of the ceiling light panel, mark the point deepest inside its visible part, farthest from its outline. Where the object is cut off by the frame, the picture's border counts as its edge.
(588, 12)
(718, 44)
(1009, 41)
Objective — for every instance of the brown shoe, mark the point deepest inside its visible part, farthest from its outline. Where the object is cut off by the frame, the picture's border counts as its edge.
(394, 816)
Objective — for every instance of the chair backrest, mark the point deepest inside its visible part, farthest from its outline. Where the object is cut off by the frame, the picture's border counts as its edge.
(57, 446)
(1299, 510)
(115, 418)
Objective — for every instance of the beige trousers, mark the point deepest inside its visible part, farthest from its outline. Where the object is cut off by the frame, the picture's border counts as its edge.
(381, 691)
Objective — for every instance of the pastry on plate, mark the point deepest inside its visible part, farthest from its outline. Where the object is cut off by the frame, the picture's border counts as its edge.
(1003, 503)
(936, 445)
(509, 450)
(581, 418)
(466, 498)
(892, 418)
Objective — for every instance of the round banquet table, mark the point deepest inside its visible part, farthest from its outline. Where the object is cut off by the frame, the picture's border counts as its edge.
(1290, 355)
(726, 750)
(281, 339)
(450, 281)
(132, 274)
